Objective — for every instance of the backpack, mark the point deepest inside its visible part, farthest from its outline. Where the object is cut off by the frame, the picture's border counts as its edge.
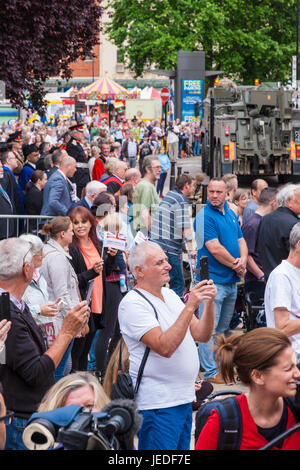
(230, 419)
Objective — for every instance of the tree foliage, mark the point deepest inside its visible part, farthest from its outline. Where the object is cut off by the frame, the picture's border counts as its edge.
(246, 38)
(39, 39)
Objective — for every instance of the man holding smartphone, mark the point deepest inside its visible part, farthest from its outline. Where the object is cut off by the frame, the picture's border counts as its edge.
(153, 315)
(219, 237)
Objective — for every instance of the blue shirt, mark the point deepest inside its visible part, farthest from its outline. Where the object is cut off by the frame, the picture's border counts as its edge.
(211, 224)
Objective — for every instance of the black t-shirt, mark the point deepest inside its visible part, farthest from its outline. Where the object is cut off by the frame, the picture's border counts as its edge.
(271, 433)
(249, 230)
(273, 238)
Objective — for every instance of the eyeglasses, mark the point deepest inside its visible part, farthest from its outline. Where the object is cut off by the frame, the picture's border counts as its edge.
(24, 259)
(7, 418)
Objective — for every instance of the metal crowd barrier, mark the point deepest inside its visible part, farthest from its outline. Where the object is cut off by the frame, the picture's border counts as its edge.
(24, 223)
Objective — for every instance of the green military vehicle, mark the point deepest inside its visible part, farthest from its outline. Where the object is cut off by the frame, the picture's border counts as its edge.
(256, 131)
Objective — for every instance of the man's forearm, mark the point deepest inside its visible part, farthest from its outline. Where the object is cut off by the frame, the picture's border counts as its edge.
(284, 323)
(253, 267)
(221, 254)
(168, 341)
(203, 328)
(59, 347)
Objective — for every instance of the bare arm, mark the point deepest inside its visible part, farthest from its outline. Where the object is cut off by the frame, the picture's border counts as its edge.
(220, 253)
(73, 324)
(253, 267)
(284, 323)
(166, 343)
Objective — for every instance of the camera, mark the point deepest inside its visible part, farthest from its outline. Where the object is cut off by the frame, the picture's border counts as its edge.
(77, 428)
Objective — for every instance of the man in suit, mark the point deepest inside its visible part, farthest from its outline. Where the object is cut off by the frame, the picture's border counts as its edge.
(7, 228)
(58, 192)
(9, 182)
(93, 188)
(74, 149)
(32, 155)
(57, 156)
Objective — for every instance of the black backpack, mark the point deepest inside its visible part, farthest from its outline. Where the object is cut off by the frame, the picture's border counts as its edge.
(230, 419)
(228, 409)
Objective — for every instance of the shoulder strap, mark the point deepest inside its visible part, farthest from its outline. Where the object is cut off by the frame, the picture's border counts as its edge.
(231, 426)
(147, 350)
(295, 409)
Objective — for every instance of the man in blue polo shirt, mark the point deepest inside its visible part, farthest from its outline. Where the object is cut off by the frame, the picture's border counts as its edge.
(219, 237)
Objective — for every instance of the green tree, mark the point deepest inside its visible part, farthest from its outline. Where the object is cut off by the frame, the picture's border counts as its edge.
(40, 39)
(247, 39)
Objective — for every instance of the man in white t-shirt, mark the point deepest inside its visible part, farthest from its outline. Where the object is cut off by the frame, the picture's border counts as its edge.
(282, 294)
(167, 387)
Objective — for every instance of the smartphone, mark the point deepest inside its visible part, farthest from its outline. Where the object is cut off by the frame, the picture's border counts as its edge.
(5, 306)
(90, 288)
(204, 271)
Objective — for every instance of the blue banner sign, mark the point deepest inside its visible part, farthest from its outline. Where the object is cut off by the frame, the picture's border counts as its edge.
(192, 100)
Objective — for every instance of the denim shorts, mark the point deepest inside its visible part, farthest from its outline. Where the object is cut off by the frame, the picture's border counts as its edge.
(14, 432)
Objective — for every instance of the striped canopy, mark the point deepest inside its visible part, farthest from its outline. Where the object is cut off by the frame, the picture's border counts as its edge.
(103, 89)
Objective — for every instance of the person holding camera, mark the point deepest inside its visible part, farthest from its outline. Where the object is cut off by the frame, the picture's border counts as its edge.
(265, 362)
(29, 369)
(154, 316)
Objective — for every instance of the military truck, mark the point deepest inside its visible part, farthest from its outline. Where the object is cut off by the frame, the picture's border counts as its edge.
(256, 131)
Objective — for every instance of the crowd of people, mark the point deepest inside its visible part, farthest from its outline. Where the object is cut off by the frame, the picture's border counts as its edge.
(100, 218)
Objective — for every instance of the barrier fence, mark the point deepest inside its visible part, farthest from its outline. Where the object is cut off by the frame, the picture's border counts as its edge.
(18, 224)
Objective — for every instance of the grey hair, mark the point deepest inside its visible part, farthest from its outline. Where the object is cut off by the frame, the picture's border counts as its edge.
(137, 256)
(13, 253)
(286, 193)
(36, 243)
(93, 187)
(294, 236)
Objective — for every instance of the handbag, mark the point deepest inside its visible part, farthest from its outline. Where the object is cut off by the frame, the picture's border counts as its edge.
(123, 387)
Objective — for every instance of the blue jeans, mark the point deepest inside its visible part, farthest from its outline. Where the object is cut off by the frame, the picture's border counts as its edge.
(166, 428)
(92, 357)
(132, 162)
(161, 183)
(176, 283)
(14, 432)
(224, 307)
(196, 148)
(60, 370)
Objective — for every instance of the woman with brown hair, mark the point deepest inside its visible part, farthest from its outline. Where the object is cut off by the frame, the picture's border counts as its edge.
(87, 261)
(60, 277)
(265, 361)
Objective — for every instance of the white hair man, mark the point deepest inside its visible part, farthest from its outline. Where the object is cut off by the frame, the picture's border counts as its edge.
(93, 188)
(274, 229)
(282, 296)
(29, 369)
(167, 387)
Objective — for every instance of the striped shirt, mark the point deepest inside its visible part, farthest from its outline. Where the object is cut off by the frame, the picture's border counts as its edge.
(171, 217)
